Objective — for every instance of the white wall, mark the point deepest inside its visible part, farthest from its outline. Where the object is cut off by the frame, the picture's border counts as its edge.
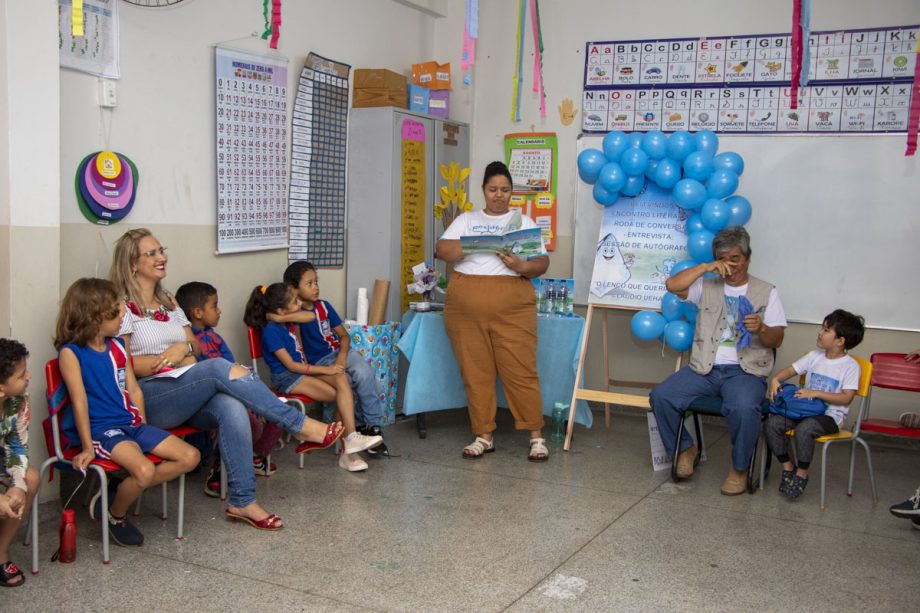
(567, 26)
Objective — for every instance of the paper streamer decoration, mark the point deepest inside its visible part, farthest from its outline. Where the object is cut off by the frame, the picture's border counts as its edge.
(538, 56)
(76, 18)
(106, 187)
(805, 22)
(913, 122)
(796, 54)
(272, 22)
(470, 34)
(518, 79)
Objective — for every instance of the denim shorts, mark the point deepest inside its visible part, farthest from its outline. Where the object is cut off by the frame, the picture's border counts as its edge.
(146, 437)
(286, 381)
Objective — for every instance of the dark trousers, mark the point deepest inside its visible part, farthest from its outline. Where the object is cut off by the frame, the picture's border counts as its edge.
(806, 431)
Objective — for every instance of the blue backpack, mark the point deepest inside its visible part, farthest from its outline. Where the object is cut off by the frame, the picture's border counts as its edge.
(786, 404)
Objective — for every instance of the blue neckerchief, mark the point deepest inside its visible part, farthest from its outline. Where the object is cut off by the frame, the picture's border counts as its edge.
(745, 308)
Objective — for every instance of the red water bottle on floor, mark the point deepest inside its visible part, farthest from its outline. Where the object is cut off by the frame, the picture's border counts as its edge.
(68, 532)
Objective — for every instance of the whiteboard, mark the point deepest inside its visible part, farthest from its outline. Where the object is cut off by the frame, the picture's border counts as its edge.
(836, 224)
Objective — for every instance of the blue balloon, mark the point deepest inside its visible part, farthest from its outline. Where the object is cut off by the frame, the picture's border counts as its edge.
(689, 193)
(604, 197)
(651, 168)
(655, 144)
(678, 335)
(729, 161)
(635, 140)
(699, 245)
(682, 266)
(590, 162)
(671, 308)
(698, 165)
(634, 161)
(611, 177)
(680, 145)
(722, 183)
(689, 311)
(706, 140)
(740, 210)
(647, 325)
(715, 214)
(615, 143)
(695, 224)
(667, 174)
(634, 185)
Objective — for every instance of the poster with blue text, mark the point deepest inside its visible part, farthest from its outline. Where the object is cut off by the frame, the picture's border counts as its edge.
(640, 240)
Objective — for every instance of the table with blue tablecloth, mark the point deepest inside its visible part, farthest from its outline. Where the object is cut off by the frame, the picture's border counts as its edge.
(433, 381)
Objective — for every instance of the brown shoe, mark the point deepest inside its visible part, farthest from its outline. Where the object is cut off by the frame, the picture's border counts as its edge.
(685, 461)
(735, 483)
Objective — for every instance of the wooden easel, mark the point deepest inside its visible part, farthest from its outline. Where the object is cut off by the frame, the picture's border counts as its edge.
(606, 396)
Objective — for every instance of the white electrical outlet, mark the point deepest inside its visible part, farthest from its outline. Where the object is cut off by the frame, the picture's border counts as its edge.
(108, 94)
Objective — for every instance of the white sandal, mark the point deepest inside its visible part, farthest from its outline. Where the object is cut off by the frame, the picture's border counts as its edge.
(477, 448)
(538, 450)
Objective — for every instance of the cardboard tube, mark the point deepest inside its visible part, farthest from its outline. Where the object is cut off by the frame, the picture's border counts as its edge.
(379, 302)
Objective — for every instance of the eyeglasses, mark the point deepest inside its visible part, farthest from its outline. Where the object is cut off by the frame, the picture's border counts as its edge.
(153, 252)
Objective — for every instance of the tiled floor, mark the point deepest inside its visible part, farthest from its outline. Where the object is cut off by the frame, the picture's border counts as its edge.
(594, 529)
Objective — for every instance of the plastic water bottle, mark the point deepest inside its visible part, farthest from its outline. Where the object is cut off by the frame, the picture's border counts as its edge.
(560, 412)
(562, 295)
(67, 552)
(550, 298)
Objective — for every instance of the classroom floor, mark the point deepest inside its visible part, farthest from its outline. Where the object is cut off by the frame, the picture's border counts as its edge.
(594, 529)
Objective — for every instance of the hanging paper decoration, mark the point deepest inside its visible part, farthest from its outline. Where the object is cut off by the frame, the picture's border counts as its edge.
(106, 186)
(805, 23)
(538, 56)
(470, 34)
(272, 22)
(913, 122)
(796, 54)
(518, 79)
(76, 18)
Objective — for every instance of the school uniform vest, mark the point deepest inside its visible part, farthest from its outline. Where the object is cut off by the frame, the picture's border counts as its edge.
(710, 321)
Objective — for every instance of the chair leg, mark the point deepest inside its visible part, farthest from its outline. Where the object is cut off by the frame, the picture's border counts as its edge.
(104, 520)
(680, 432)
(871, 472)
(181, 512)
(824, 447)
(698, 428)
(223, 480)
(763, 461)
(751, 485)
(165, 514)
(852, 467)
(33, 515)
(137, 505)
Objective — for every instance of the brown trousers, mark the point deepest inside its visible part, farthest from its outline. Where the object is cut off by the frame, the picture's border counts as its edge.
(492, 325)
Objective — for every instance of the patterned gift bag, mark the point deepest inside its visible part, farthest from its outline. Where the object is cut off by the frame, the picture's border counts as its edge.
(378, 346)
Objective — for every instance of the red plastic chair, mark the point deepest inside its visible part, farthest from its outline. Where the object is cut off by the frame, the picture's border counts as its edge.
(61, 454)
(298, 401)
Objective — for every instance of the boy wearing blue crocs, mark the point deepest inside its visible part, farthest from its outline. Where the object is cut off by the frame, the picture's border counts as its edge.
(831, 376)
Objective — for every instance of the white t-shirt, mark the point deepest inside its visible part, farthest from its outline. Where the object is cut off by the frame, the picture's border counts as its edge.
(477, 223)
(773, 316)
(831, 376)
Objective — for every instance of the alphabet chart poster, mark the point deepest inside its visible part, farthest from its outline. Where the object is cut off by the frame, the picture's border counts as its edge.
(319, 130)
(252, 161)
(859, 81)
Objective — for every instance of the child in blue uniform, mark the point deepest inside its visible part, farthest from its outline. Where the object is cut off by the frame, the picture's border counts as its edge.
(107, 416)
(291, 371)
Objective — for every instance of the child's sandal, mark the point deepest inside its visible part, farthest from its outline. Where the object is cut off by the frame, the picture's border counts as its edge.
(477, 448)
(797, 487)
(9, 572)
(786, 481)
(538, 450)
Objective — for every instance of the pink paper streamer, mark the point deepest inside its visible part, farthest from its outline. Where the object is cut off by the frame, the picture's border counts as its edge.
(276, 23)
(537, 59)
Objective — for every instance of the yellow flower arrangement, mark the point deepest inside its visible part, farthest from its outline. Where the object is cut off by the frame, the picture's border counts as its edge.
(453, 197)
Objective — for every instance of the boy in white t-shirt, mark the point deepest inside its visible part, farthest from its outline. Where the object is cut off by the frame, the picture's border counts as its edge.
(830, 375)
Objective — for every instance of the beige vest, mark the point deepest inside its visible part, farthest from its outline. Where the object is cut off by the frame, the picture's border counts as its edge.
(710, 321)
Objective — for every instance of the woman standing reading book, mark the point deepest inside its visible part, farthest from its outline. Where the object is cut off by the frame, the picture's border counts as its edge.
(491, 319)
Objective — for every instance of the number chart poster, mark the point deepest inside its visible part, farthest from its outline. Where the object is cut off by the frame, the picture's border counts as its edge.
(252, 160)
(96, 52)
(859, 81)
(532, 161)
(640, 240)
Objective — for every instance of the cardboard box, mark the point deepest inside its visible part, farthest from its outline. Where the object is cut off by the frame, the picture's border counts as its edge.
(418, 98)
(379, 87)
(439, 103)
(379, 78)
(378, 96)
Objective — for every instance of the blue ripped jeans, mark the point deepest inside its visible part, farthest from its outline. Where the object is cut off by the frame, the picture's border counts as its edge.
(363, 379)
(205, 397)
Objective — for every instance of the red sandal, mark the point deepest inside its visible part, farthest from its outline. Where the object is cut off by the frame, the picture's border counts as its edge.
(270, 523)
(333, 433)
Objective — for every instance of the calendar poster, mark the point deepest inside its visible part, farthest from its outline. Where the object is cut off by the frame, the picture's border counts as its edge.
(96, 52)
(318, 137)
(252, 159)
(532, 161)
(859, 81)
